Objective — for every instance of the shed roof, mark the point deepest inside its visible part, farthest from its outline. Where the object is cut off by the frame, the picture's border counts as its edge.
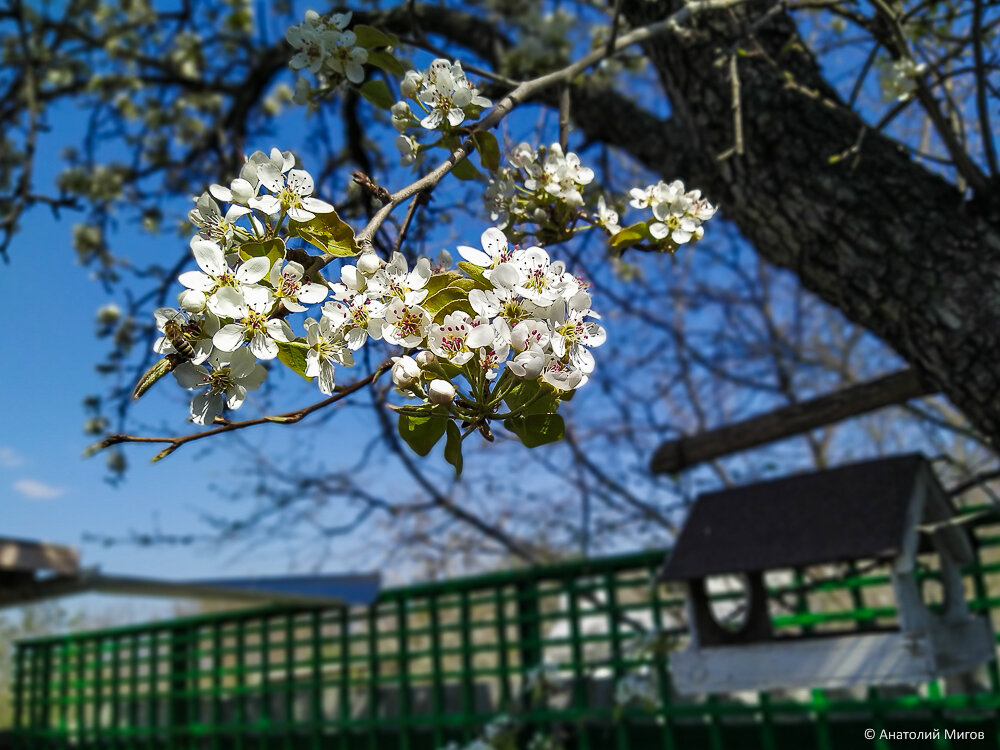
(852, 512)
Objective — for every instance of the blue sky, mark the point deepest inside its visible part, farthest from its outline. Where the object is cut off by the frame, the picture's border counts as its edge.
(49, 490)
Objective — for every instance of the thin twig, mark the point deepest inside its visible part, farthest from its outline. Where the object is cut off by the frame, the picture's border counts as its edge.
(418, 200)
(734, 79)
(985, 131)
(291, 417)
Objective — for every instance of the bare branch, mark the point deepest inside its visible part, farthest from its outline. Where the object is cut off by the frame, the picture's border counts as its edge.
(291, 417)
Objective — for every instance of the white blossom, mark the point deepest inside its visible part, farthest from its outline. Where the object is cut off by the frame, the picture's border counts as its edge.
(405, 372)
(898, 78)
(327, 347)
(447, 95)
(252, 311)
(326, 48)
(215, 273)
(495, 250)
(607, 217)
(357, 317)
(226, 384)
(409, 149)
(212, 225)
(292, 290)
(405, 325)
(396, 280)
(292, 193)
(678, 215)
(458, 337)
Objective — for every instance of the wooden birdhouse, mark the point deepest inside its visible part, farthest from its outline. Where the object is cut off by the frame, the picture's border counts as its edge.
(886, 516)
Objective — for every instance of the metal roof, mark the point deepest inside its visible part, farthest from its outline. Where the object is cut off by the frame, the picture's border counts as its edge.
(34, 571)
(853, 512)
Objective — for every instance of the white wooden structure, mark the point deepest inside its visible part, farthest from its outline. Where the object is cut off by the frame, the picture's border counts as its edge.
(888, 510)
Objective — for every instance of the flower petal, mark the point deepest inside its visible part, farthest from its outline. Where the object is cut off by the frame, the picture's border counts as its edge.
(191, 376)
(478, 257)
(229, 338)
(263, 347)
(228, 303)
(253, 270)
(205, 407)
(209, 256)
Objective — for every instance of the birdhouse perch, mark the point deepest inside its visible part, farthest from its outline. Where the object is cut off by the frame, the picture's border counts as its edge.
(885, 512)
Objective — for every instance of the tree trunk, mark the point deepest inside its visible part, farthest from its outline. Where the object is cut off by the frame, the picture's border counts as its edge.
(891, 244)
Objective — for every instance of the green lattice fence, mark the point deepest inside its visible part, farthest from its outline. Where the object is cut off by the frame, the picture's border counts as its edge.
(433, 663)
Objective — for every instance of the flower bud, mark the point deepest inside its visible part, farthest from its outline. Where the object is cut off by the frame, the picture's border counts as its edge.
(108, 314)
(369, 263)
(401, 117)
(351, 278)
(425, 359)
(116, 462)
(405, 371)
(411, 81)
(441, 392)
(191, 301)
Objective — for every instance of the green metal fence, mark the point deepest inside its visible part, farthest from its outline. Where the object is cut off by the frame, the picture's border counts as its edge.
(433, 663)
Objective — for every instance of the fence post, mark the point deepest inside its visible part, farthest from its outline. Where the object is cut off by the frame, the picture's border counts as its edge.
(529, 625)
(180, 665)
(19, 681)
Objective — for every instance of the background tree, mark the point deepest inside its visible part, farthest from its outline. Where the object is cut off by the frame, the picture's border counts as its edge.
(848, 143)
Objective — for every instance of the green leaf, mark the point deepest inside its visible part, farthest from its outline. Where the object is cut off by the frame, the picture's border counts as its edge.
(421, 433)
(521, 393)
(453, 447)
(369, 37)
(292, 354)
(537, 429)
(475, 273)
(454, 306)
(443, 298)
(532, 396)
(329, 233)
(439, 281)
(465, 170)
(488, 148)
(466, 285)
(377, 93)
(271, 249)
(630, 235)
(387, 61)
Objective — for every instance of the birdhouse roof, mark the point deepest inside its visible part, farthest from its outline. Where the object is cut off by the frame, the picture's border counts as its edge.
(852, 512)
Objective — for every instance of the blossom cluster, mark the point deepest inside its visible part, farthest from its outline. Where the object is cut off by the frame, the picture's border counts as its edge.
(326, 49)
(231, 312)
(529, 316)
(536, 179)
(509, 309)
(444, 97)
(678, 215)
(898, 78)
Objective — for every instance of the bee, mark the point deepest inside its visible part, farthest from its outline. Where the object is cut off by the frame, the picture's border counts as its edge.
(175, 334)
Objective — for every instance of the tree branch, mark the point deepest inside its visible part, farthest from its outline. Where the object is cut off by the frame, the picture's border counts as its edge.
(675, 455)
(291, 417)
(530, 89)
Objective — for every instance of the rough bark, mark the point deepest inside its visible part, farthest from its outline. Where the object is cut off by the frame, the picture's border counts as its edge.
(891, 244)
